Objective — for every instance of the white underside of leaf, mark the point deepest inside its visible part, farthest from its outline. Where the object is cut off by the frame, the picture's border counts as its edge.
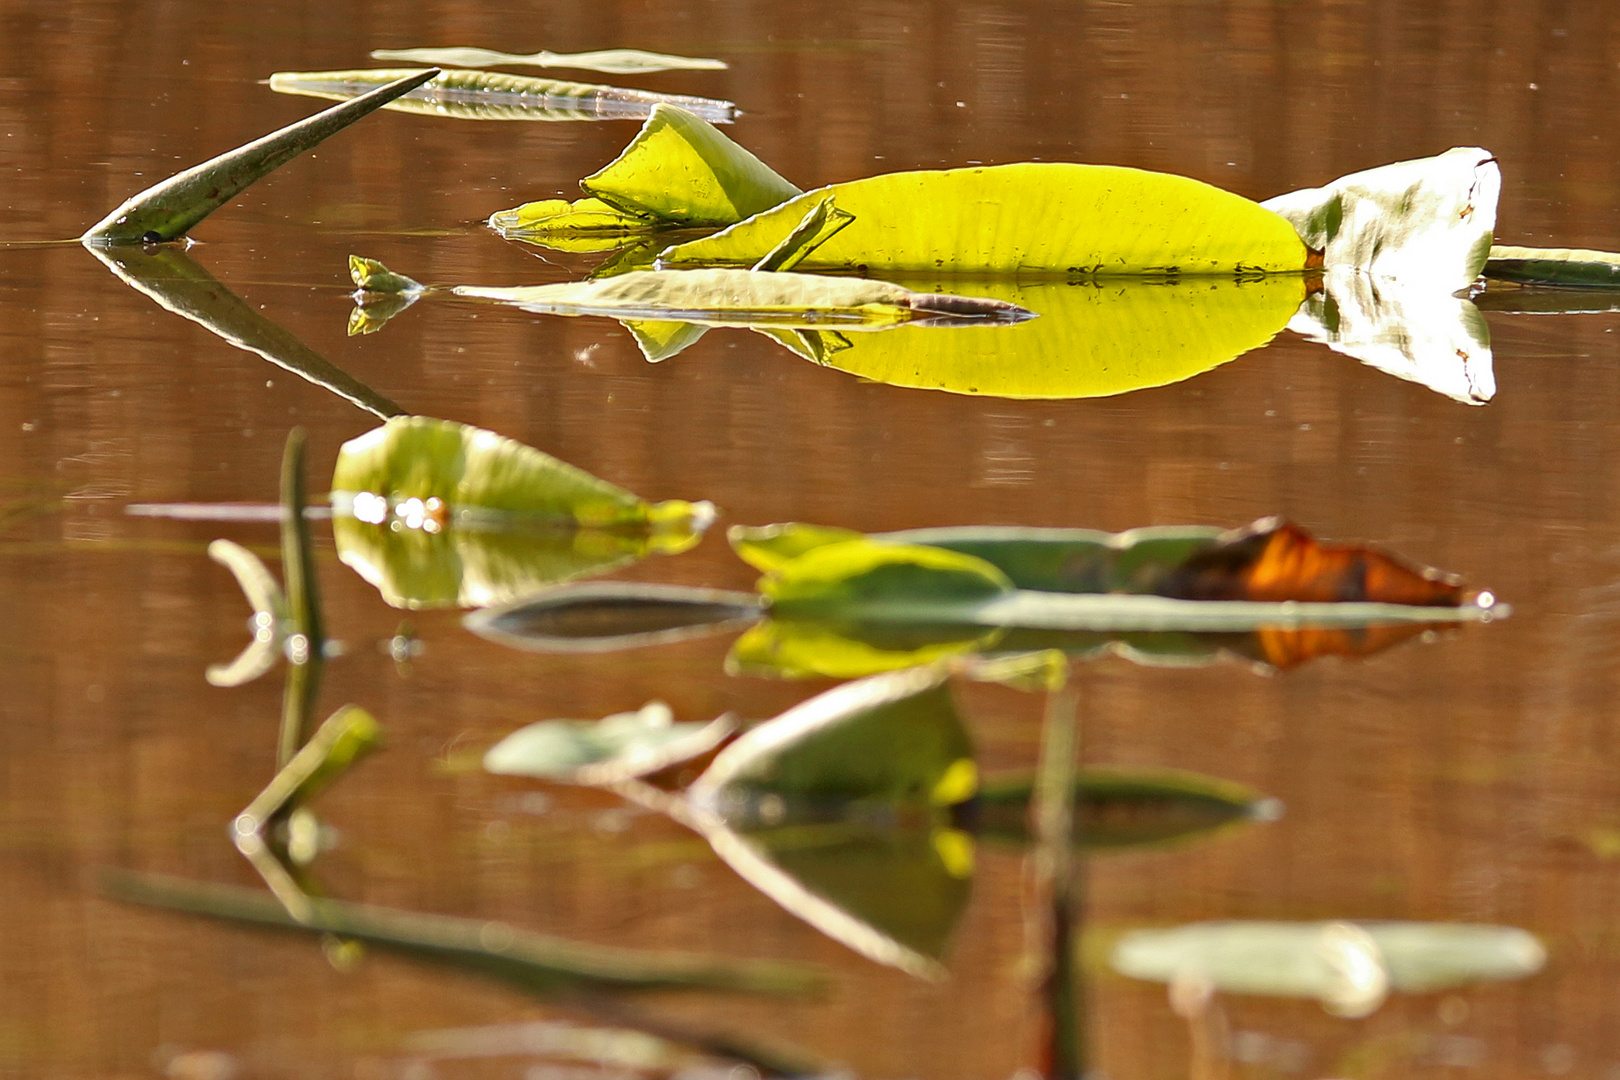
(1413, 331)
(1425, 221)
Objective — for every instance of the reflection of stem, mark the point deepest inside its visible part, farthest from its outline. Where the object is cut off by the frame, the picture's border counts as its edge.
(172, 278)
(1193, 998)
(770, 1060)
(1058, 877)
(307, 641)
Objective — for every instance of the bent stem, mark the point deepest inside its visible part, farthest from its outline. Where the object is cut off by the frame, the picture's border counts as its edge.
(1059, 886)
(307, 641)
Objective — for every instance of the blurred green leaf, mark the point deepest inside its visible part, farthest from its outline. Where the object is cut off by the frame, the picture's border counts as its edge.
(494, 95)
(1124, 808)
(618, 747)
(438, 513)
(168, 210)
(612, 61)
(371, 276)
(535, 963)
(610, 615)
(1349, 966)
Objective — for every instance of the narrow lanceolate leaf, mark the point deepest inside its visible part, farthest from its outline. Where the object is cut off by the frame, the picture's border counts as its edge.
(1569, 267)
(437, 513)
(822, 223)
(168, 210)
(494, 95)
(536, 963)
(751, 298)
(1080, 221)
(612, 61)
(1428, 222)
(681, 170)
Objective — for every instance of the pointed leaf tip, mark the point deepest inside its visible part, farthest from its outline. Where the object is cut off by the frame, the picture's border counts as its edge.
(167, 211)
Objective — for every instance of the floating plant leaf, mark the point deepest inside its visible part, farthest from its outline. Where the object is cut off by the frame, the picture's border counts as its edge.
(535, 963)
(175, 280)
(1080, 221)
(437, 513)
(823, 221)
(750, 298)
(1428, 221)
(610, 615)
(1120, 808)
(612, 61)
(680, 170)
(660, 339)
(615, 748)
(1418, 332)
(373, 310)
(494, 95)
(371, 276)
(1568, 267)
(1349, 966)
(167, 211)
(808, 648)
(587, 224)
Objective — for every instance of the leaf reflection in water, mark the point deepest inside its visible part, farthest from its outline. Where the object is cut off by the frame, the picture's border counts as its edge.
(177, 283)
(839, 604)
(612, 61)
(435, 513)
(858, 810)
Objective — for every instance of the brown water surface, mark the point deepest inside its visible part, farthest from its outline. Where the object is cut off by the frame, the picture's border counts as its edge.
(1475, 778)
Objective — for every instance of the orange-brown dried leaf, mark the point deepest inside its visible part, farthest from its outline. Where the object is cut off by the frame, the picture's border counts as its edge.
(1275, 560)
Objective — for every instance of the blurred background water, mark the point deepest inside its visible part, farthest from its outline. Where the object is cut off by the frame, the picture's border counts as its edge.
(1473, 778)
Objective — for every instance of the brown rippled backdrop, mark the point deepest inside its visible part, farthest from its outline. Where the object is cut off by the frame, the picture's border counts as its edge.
(1475, 778)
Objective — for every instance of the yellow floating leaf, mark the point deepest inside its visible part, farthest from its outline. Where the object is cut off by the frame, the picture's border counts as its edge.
(1032, 218)
(561, 219)
(683, 171)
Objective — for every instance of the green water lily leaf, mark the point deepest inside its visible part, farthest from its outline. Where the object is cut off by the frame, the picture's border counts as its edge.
(1350, 967)
(682, 171)
(1567, 267)
(1120, 808)
(611, 61)
(767, 547)
(438, 513)
(1428, 221)
(618, 747)
(748, 298)
(372, 311)
(532, 962)
(1079, 221)
(167, 211)
(494, 95)
(1415, 331)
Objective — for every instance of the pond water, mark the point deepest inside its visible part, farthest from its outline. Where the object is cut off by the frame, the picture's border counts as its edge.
(1473, 778)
